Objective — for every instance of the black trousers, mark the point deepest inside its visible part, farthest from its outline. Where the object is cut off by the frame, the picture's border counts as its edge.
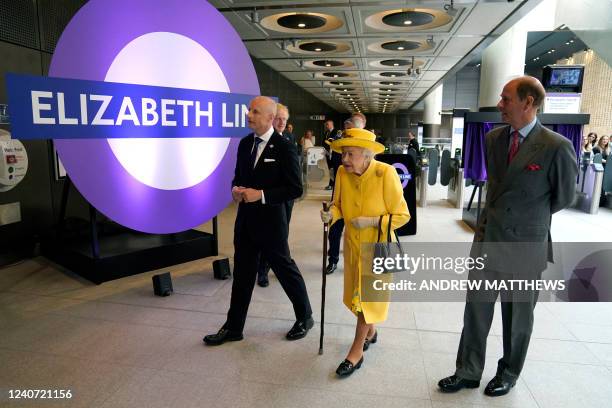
(332, 175)
(248, 249)
(264, 266)
(517, 322)
(335, 235)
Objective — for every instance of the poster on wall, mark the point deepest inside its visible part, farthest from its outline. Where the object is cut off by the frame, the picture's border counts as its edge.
(562, 103)
(457, 136)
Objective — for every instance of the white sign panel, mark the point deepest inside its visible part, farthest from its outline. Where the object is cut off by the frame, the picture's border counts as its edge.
(562, 103)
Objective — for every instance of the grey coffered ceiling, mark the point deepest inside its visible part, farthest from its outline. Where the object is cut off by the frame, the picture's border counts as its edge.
(364, 36)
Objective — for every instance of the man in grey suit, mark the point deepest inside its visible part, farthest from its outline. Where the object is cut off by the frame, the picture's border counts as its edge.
(531, 175)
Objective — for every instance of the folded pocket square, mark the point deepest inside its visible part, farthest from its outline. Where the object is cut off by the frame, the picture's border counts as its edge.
(269, 160)
(533, 167)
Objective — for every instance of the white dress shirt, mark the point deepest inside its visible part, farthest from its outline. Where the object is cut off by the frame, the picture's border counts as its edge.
(262, 145)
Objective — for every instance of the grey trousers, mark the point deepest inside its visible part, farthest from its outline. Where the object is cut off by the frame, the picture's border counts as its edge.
(517, 321)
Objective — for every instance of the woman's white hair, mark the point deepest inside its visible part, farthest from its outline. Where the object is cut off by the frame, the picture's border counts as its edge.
(369, 154)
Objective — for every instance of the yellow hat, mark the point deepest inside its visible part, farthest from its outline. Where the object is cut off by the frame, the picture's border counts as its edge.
(358, 138)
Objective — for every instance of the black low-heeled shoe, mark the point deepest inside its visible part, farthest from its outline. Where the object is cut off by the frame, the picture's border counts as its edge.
(347, 368)
(374, 339)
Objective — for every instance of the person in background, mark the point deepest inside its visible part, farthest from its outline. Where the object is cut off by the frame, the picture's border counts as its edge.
(288, 134)
(308, 140)
(603, 147)
(413, 143)
(279, 124)
(367, 194)
(586, 146)
(592, 138)
(330, 134)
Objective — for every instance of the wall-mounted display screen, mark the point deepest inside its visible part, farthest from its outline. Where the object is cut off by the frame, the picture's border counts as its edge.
(568, 78)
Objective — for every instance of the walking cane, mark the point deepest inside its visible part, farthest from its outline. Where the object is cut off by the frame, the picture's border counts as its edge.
(323, 285)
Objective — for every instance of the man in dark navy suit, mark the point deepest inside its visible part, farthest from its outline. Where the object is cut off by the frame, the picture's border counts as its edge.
(279, 124)
(267, 175)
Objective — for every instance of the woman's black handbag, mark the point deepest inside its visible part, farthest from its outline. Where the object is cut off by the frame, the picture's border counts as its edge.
(389, 249)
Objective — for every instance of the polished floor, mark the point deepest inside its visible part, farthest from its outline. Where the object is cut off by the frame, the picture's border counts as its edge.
(116, 345)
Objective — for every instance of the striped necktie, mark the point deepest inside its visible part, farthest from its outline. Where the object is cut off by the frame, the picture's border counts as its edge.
(514, 146)
(256, 143)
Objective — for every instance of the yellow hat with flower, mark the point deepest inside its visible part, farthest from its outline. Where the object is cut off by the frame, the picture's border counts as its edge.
(358, 138)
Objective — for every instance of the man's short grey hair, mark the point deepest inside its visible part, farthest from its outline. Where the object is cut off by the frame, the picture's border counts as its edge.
(357, 121)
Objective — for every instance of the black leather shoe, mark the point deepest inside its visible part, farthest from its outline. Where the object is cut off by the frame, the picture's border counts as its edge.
(374, 339)
(347, 368)
(328, 188)
(455, 383)
(221, 337)
(262, 280)
(498, 386)
(331, 268)
(300, 329)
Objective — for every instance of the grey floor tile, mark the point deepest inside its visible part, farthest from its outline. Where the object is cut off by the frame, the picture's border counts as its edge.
(603, 352)
(442, 342)
(561, 351)
(591, 333)
(562, 385)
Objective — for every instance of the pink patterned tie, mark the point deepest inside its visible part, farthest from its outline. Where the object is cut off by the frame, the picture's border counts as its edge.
(514, 147)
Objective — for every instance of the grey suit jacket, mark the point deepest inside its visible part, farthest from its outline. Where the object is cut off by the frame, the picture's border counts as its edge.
(514, 229)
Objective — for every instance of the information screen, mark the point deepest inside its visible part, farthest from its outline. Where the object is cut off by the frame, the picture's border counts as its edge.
(565, 77)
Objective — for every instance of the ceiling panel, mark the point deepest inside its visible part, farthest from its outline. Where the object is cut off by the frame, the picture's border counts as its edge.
(275, 32)
(459, 46)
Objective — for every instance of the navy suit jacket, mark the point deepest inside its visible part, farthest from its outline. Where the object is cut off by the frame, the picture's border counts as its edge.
(277, 173)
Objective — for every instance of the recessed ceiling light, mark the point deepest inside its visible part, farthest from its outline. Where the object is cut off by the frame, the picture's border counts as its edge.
(392, 76)
(301, 25)
(407, 22)
(400, 48)
(317, 49)
(328, 65)
(395, 64)
(335, 76)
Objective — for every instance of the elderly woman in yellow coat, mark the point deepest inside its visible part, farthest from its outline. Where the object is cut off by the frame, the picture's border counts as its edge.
(366, 192)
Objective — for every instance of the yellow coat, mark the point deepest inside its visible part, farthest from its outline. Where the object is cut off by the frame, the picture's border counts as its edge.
(378, 191)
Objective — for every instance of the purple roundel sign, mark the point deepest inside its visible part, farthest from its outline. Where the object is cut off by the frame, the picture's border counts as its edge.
(154, 184)
(403, 173)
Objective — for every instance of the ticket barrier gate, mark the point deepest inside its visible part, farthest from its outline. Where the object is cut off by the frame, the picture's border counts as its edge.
(456, 184)
(590, 187)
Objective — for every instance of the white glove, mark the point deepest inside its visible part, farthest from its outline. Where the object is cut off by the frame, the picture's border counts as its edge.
(326, 216)
(364, 222)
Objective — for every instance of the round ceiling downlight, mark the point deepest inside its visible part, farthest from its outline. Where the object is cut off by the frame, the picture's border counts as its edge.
(395, 63)
(401, 45)
(328, 63)
(408, 18)
(317, 47)
(335, 74)
(301, 21)
(392, 74)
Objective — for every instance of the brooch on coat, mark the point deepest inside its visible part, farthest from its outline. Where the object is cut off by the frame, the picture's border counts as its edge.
(533, 167)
